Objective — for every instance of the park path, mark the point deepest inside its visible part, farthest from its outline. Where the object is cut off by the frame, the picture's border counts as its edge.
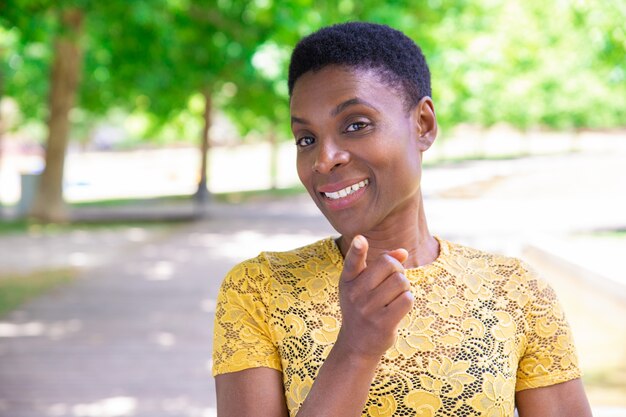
(132, 336)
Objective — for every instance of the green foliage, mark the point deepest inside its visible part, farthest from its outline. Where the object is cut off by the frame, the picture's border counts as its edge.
(22, 65)
(532, 63)
(527, 63)
(17, 289)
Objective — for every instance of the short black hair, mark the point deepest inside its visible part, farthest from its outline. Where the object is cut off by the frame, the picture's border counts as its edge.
(369, 46)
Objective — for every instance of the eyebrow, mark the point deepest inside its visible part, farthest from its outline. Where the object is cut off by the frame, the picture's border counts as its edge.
(351, 102)
(340, 107)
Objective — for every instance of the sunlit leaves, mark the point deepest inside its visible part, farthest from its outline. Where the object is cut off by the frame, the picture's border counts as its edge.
(528, 63)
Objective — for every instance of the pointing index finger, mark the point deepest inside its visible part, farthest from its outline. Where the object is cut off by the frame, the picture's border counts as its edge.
(354, 263)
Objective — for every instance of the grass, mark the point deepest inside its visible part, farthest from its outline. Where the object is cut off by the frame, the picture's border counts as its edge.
(606, 387)
(446, 161)
(15, 289)
(229, 197)
(245, 196)
(613, 234)
(22, 226)
(619, 233)
(120, 202)
(14, 227)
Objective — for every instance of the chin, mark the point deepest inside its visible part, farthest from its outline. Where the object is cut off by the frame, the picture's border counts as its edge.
(347, 227)
(343, 221)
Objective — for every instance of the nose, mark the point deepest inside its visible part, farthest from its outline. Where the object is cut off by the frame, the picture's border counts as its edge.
(329, 156)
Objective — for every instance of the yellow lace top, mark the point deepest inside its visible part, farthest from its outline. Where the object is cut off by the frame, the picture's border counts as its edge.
(483, 326)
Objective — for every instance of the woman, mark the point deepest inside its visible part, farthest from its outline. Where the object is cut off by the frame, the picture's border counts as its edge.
(385, 320)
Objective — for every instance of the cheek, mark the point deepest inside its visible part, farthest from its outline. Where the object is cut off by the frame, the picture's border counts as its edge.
(402, 164)
(303, 172)
(412, 172)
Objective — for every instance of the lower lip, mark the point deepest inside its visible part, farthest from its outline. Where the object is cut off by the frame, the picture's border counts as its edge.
(344, 202)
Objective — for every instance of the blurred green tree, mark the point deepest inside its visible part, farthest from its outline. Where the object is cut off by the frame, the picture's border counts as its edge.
(526, 63)
(150, 56)
(34, 19)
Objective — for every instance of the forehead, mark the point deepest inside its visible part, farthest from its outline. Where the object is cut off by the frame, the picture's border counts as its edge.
(334, 84)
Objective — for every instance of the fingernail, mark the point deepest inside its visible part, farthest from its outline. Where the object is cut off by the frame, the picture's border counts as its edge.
(356, 242)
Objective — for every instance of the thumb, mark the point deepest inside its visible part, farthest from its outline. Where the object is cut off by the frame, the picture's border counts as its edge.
(354, 263)
(401, 255)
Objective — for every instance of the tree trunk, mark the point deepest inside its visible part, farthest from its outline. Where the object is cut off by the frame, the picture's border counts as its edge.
(273, 160)
(202, 195)
(49, 205)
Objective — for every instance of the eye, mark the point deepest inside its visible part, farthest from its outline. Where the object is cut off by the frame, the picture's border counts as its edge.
(356, 126)
(305, 141)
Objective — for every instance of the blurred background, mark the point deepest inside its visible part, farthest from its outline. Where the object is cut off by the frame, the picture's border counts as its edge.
(145, 149)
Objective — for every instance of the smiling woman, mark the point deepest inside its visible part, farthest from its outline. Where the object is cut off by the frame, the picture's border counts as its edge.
(369, 135)
(385, 319)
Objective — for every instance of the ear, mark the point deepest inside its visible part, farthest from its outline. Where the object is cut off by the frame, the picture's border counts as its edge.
(424, 114)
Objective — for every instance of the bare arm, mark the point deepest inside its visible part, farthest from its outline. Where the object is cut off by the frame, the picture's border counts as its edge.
(342, 383)
(341, 387)
(252, 392)
(561, 400)
(259, 392)
(373, 299)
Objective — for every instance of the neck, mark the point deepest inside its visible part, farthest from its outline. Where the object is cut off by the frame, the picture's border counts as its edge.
(406, 229)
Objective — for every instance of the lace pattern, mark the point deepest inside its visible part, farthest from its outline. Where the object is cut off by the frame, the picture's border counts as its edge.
(483, 326)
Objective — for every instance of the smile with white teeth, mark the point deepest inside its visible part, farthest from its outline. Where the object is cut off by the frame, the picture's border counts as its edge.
(347, 191)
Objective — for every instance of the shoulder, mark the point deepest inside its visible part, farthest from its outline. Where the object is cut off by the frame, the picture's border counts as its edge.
(322, 250)
(510, 275)
(467, 259)
(269, 266)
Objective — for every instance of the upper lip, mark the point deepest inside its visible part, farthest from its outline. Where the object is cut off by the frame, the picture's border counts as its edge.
(336, 186)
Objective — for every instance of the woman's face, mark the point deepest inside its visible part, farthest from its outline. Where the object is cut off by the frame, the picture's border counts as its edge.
(359, 152)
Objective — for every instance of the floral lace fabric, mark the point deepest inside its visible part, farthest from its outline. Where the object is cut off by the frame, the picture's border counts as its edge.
(483, 326)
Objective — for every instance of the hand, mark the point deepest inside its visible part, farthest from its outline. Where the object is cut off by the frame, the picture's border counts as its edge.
(373, 298)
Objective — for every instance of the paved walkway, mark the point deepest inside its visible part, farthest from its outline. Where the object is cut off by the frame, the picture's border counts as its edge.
(132, 337)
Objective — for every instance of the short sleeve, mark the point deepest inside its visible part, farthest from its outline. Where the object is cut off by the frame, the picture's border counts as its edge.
(549, 357)
(242, 337)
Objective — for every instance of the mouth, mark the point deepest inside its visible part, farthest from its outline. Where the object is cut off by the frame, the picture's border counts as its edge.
(345, 192)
